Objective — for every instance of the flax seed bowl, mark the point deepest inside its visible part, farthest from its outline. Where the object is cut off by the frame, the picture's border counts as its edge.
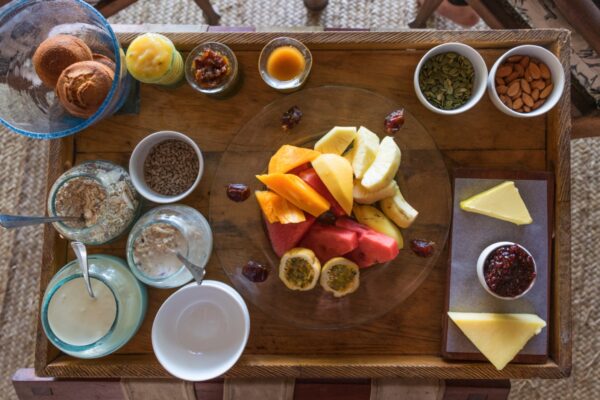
(514, 78)
(166, 167)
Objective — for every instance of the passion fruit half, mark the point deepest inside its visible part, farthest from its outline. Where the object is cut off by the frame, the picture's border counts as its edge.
(299, 269)
(340, 276)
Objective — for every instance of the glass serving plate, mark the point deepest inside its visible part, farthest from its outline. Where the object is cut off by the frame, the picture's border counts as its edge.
(239, 230)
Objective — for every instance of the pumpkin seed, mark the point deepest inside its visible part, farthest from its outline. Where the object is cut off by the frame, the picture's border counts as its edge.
(446, 80)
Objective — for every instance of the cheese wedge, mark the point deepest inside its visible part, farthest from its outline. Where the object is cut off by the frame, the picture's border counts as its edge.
(499, 337)
(502, 202)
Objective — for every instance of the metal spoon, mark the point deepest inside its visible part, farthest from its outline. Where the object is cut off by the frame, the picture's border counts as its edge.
(81, 254)
(197, 271)
(17, 221)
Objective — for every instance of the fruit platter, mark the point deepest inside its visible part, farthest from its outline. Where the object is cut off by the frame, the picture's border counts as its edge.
(329, 209)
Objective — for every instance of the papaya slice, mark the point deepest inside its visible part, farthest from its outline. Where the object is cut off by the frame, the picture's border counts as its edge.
(296, 191)
(289, 157)
(278, 209)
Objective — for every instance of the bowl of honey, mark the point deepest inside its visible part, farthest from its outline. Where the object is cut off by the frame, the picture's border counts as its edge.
(284, 64)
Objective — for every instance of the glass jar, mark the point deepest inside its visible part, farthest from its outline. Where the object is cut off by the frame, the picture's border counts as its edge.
(153, 58)
(131, 303)
(229, 82)
(118, 204)
(197, 245)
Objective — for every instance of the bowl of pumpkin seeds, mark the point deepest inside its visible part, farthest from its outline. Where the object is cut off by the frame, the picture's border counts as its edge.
(450, 78)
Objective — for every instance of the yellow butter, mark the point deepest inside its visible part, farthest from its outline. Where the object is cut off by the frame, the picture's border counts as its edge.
(499, 337)
(502, 202)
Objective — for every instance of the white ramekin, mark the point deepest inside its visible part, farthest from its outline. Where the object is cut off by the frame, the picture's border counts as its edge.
(136, 165)
(481, 261)
(556, 71)
(479, 79)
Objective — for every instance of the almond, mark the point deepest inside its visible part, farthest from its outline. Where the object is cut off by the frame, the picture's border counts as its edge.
(518, 103)
(519, 69)
(502, 89)
(504, 98)
(534, 70)
(527, 76)
(525, 86)
(527, 100)
(514, 75)
(546, 92)
(524, 61)
(539, 84)
(514, 59)
(509, 103)
(535, 94)
(513, 88)
(537, 104)
(544, 71)
(500, 81)
(526, 109)
(504, 70)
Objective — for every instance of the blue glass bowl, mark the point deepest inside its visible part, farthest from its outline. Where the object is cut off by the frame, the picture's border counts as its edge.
(130, 296)
(26, 105)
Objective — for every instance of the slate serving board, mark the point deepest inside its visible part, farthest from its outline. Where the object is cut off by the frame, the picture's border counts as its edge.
(471, 233)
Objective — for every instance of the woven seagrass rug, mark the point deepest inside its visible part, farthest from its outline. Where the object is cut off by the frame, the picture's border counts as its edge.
(22, 191)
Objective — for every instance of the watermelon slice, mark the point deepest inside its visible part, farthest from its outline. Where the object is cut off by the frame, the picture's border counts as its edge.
(300, 168)
(328, 241)
(373, 247)
(310, 176)
(286, 236)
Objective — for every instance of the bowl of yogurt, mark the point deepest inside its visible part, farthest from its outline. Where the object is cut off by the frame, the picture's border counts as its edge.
(159, 235)
(201, 331)
(86, 327)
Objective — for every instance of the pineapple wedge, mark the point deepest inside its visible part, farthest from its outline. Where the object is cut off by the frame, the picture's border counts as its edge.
(364, 196)
(385, 166)
(398, 210)
(349, 154)
(367, 145)
(374, 219)
(337, 140)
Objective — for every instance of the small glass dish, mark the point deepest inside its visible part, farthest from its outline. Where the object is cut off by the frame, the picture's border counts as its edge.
(292, 84)
(198, 243)
(131, 303)
(230, 80)
(120, 195)
(26, 105)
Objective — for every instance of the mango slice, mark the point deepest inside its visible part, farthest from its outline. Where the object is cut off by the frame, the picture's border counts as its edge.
(289, 157)
(296, 191)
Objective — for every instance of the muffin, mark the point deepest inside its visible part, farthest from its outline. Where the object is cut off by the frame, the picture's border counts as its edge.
(83, 86)
(55, 54)
(104, 60)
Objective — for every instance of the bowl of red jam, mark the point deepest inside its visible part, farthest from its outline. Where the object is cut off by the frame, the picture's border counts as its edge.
(506, 270)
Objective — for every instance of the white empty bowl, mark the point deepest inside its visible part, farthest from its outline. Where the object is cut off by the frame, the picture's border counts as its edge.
(479, 78)
(481, 263)
(556, 71)
(200, 331)
(136, 166)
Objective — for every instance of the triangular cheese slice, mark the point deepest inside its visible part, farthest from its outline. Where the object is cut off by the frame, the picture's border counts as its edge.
(499, 337)
(503, 202)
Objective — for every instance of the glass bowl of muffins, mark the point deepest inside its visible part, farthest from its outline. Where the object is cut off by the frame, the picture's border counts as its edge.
(61, 68)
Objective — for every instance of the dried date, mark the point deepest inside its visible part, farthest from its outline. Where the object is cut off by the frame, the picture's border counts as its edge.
(255, 272)
(394, 121)
(291, 118)
(421, 247)
(327, 218)
(238, 192)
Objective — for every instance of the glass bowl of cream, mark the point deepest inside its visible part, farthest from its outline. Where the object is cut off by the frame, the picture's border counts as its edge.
(159, 235)
(86, 327)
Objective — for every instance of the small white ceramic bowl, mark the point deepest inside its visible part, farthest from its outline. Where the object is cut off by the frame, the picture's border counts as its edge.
(479, 78)
(200, 331)
(136, 165)
(556, 71)
(481, 261)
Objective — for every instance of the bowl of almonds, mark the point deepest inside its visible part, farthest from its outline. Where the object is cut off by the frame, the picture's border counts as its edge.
(526, 81)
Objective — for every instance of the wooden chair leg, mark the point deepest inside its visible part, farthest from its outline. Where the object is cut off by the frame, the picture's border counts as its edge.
(428, 7)
(586, 127)
(111, 7)
(209, 12)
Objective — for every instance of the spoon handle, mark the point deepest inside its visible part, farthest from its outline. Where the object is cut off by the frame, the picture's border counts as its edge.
(196, 270)
(17, 221)
(81, 254)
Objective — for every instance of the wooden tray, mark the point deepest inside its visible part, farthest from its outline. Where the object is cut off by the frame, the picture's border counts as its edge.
(407, 341)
